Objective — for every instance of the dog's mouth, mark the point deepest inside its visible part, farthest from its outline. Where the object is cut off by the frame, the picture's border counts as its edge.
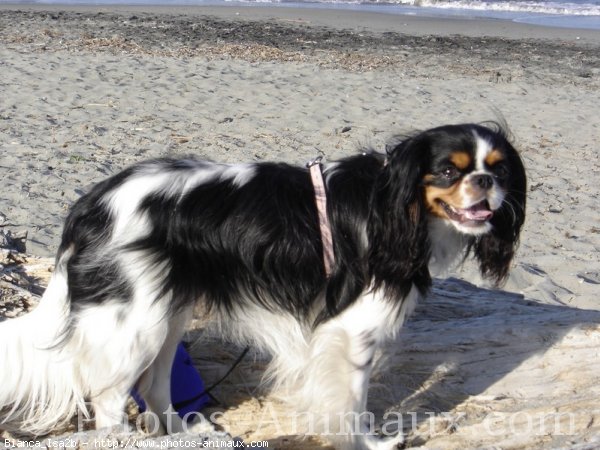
(474, 215)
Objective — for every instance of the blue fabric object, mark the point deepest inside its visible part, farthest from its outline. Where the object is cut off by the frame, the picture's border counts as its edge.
(186, 386)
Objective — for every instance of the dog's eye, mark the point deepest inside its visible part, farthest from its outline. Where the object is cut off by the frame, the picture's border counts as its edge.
(450, 172)
(500, 171)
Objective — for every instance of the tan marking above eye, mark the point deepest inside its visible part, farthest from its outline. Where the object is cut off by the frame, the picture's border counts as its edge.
(461, 160)
(429, 178)
(494, 157)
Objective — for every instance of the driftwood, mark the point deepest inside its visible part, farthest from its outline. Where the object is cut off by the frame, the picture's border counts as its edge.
(472, 368)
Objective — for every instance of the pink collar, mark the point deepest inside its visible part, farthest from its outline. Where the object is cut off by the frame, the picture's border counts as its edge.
(321, 201)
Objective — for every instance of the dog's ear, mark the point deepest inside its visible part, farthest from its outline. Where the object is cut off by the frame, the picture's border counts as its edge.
(400, 249)
(495, 250)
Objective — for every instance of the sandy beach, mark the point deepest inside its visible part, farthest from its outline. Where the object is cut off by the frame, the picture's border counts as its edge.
(86, 91)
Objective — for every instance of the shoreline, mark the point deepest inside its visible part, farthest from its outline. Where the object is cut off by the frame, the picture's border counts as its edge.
(343, 19)
(353, 41)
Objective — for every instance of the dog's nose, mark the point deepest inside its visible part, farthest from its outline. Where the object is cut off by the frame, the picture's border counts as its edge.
(483, 181)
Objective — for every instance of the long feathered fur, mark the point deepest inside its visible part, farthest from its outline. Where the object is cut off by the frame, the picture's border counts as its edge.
(40, 389)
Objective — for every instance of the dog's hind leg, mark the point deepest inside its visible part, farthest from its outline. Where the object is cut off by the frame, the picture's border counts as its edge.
(113, 366)
(109, 407)
(111, 363)
(155, 386)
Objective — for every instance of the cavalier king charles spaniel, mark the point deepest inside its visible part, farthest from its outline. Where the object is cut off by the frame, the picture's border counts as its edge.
(242, 246)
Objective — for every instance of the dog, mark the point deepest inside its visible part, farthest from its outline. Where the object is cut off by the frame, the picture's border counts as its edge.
(243, 244)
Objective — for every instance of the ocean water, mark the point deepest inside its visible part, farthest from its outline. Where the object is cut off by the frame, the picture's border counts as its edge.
(556, 13)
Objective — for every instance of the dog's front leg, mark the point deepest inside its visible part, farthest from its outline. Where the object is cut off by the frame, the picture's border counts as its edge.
(360, 424)
(341, 356)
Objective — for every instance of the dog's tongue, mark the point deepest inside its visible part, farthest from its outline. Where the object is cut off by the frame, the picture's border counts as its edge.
(479, 211)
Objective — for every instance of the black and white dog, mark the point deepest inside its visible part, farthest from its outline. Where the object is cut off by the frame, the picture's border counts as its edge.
(242, 244)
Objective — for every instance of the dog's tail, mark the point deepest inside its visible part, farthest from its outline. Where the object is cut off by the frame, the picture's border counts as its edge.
(39, 389)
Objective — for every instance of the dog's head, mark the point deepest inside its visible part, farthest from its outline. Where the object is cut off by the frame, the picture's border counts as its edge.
(468, 176)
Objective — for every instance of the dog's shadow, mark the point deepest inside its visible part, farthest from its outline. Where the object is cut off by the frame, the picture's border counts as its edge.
(465, 353)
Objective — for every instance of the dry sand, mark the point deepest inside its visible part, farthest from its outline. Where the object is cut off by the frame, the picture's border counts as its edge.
(87, 91)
